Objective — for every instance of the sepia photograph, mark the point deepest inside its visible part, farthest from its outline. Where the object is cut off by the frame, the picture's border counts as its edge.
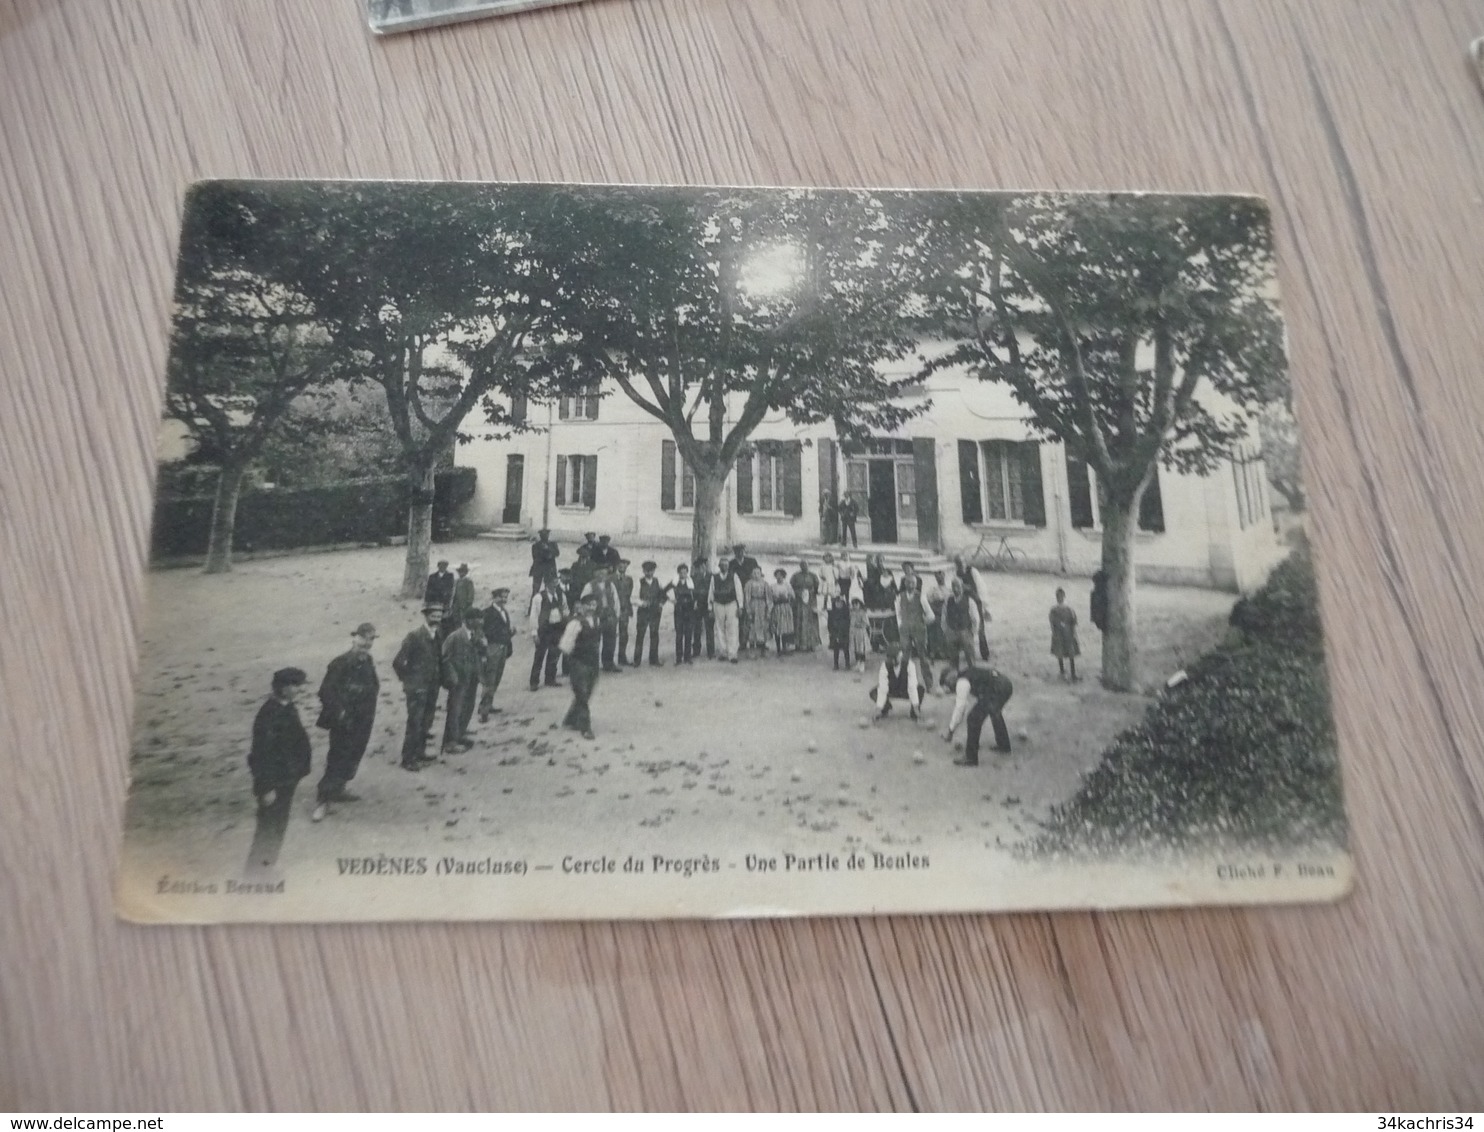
(529, 551)
(386, 16)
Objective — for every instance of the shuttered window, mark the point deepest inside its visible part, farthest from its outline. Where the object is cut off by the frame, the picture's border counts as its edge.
(770, 479)
(1082, 495)
(1010, 474)
(577, 481)
(677, 481)
(580, 407)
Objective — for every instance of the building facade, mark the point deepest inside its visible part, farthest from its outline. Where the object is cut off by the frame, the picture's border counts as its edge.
(964, 476)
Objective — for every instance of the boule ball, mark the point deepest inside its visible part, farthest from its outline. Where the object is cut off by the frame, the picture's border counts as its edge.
(919, 757)
(811, 746)
(1023, 736)
(796, 776)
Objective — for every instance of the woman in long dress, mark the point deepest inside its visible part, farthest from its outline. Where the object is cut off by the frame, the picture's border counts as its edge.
(759, 611)
(806, 587)
(781, 616)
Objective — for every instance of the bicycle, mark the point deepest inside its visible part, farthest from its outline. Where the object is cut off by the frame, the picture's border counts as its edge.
(1003, 557)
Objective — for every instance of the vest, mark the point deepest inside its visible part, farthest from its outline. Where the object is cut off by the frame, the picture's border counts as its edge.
(725, 590)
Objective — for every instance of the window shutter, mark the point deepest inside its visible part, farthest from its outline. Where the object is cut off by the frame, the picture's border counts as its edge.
(793, 479)
(564, 407)
(518, 407)
(1030, 484)
(994, 479)
(1079, 492)
(667, 475)
(744, 483)
(592, 407)
(1152, 507)
(968, 481)
(590, 483)
(561, 489)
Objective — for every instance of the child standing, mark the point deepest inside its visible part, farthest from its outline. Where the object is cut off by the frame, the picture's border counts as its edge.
(1064, 635)
(781, 613)
(759, 609)
(860, 633)
(839, 627)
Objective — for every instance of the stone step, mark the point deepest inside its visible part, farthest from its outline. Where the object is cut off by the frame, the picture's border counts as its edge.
(506, 532)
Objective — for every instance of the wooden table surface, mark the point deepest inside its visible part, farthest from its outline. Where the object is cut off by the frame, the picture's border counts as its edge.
(1362, 123)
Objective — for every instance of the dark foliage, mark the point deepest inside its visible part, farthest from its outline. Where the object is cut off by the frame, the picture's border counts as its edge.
(368, 511)
(1242, 754)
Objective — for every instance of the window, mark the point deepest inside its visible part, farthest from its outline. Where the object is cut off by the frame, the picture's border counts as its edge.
(582, 407)
(677, 481)
(577, 481)
(1250, 472)
(770, 479)
(1082, 495)
(1000, 482)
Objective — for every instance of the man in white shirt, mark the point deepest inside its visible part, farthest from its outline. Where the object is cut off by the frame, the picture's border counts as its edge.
(898, 679)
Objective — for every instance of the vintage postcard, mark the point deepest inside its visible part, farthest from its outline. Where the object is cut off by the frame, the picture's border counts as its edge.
(562, 551)
(386, 16)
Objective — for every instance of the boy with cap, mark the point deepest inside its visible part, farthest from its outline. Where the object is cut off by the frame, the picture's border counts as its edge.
(651, 602)
(278, 759)
(499, 643)
(683, 592)
(347, 698)
(416, 665)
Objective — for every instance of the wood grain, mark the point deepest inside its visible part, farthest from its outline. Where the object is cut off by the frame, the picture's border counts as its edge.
(1361, 122)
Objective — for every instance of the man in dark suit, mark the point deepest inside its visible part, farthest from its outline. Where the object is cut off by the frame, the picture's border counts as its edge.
(416, 666)
(463, 596)
(607, 553)
(544, 555)
(459, 672)
(625, 587)
(347, 697)
(499, 643)
(439, 590)
(580, 644)
(278, 759)
(846, 513)
(744, 565)
(989, 690)
(602, 590)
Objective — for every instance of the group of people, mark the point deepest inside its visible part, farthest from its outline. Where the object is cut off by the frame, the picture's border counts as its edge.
(579, 621)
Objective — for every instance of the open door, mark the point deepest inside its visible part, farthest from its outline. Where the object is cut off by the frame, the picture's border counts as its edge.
(882, 507)
(515, 484)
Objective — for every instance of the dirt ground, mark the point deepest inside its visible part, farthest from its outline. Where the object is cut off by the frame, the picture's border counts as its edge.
(774, 755)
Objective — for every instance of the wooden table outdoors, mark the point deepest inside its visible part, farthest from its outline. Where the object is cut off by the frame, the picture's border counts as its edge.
(1360, 121)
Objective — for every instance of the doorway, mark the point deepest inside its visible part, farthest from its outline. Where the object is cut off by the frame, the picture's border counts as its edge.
(515, 484)
(882, 501)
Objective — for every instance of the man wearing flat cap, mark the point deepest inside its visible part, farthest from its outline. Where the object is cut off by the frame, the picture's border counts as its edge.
(544, 554)
(278, 759)
(464, 596)
(347, 698)
(499, 643)
(459, 670)
(416, 665)
(744, 565)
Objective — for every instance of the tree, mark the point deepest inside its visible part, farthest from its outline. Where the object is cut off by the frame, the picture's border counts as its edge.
(436, 292)
(1137, 330)
(243, 347)
(711, 308)
(1280, 451)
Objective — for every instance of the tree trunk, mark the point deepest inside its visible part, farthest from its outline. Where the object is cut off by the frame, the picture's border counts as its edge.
(706, 526)
(1120, 638)
(224, 519)
(419, 529)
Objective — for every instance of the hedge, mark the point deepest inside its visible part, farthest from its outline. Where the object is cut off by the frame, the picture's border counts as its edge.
(1240, 754)
(371, 511)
